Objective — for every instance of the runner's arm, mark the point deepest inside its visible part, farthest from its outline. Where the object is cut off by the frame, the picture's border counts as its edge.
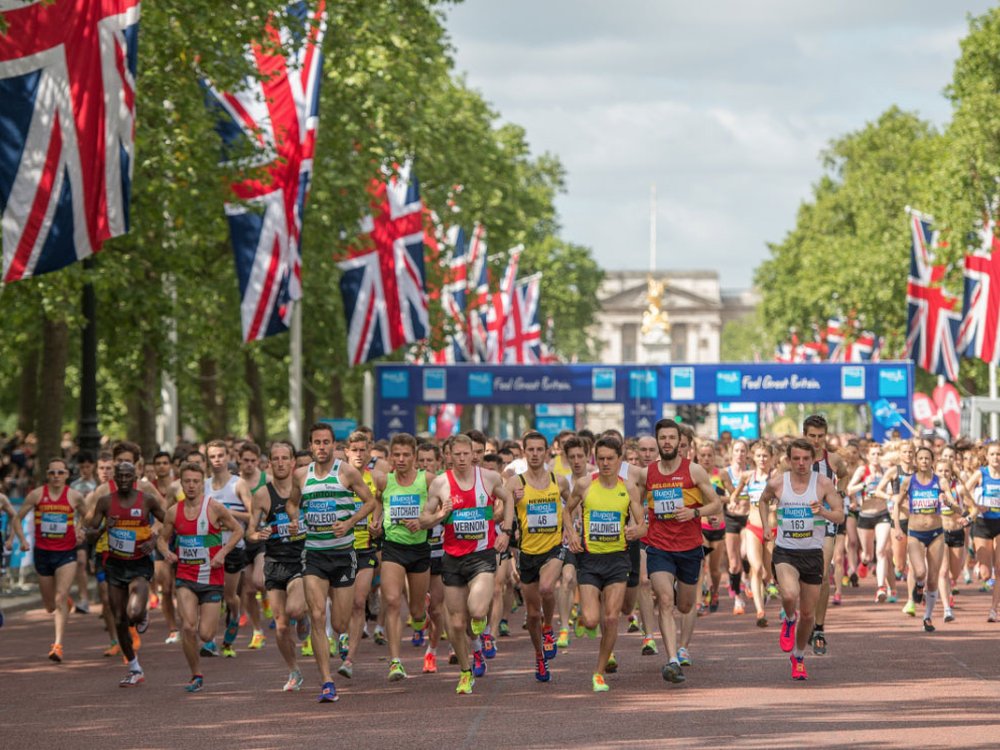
(15, 529)
(166, 534)
(29, 504)
(575, 498)
(640, 527)
(226, 520)
(887, 479)
(857, 483)
(259, 510)
(830, 502)
(375, 522)
(735, 493)
(897, 505)
(293, 501)
(356, 483)
(500, 491)
(711, 503)
(437, 507)
(764, 504)
(243, 493)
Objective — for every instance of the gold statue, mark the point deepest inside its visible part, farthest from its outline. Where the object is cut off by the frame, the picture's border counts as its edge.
(655, 318)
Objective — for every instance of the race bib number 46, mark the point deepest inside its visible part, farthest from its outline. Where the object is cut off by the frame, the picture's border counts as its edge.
(542, 517)
(54, 524)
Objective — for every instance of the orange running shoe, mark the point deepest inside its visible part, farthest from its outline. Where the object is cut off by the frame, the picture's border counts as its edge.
(154, 602)
(56, 652)
(430, 663)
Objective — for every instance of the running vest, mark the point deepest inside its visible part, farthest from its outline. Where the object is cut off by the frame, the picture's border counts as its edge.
(755, 488)
(228, 497)
(665, 495)
(362, 536)
(989, 498)
(326, 501)
(539, 514)
(871, 480)
(128, 528)
(734, 480)
(282, 546)
(198, 541)
(798, 528)
(946, 510)
(401, 504)
(605, 512)
(822, 466)
(55, 525)
(923, 499)
(469, 527)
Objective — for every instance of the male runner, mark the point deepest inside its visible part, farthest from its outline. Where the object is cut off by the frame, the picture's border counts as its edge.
(163, 576)
(129, 567)
(607, 502)
(577, 454)
(325, 489)
(463, 498)
(429, 460)
(539, 495)
(806, 501)
(197, 524)
(84, 484)
(252, 582)
(269, 523)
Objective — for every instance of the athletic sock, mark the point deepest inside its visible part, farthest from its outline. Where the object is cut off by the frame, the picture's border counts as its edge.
(930, 599)
(432, 651)
(734, 581)
(477, 644)
(799, 653)
(134, 665)
(486, 630)
(817, 628)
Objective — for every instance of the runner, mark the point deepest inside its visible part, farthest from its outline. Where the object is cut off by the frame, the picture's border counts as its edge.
(269, 523)
(889, 488)
(955, 528)
(648, 454)
(163, 573)
(806, 501)
(540, 497)
(58, 512)
(406, 556)
(576, 452)
(746, 493)
(252, 583)
(607, 502)
(429, 460)
(198, 522)
(920, 498)
(129, 567)
(84, 484)
(984, 485)
(874, 521)
(325, 489)
(464, 500)
(713, 530)
(678, 493)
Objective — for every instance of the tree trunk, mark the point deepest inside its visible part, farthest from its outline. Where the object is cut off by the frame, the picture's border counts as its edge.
(51, 387)
(256, 422)
(215, 408)
(27, 413)
(148, 402)
(337, 397)
(308, 404)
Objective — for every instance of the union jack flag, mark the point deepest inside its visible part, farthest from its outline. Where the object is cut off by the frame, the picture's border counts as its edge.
(466, 252)
(848, 344)
(522, 333)
(498, 308)
(277, 112)
(932, 320)
(382, 283)
(979, 334)
(67, 87)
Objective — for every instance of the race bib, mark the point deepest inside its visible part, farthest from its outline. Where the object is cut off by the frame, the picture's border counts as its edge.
(281, 527)
(121, 541)
(404, 508)
(991, 497)
(469, 524)
(923, 502)
(797, 522)
(435, 535)
(321, 515)
(542, 517)
(191, 550)
(604, 526)
(54, 524)
(667, 501)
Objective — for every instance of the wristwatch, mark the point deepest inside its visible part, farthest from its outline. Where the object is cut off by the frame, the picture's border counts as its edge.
(508, 532)
(697, 512)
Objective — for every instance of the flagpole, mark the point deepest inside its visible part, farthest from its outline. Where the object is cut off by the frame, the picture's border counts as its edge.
(295, 377)
(167, 426)
(993, 394)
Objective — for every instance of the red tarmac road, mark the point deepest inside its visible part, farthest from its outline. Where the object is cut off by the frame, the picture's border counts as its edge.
(884, 684)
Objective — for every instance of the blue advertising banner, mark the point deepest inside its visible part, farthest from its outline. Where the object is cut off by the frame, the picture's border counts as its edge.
(642, 390)
(741, 419)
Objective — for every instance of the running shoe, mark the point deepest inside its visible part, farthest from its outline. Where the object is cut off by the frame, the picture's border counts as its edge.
(328, 694)
(649, 646)
(739, 607)
(837, 599)
(228, 651)
(891, 599)
(196, 684)
(396, 671)
(244, 619)
(453, 658)
(702, 609)
(798, 668)
(992, 616)
(417, 639)
(143, 626)
(209, 648)
(56, 652)
(465, 683)
(819, 642)
(489, 646)
(258, 641)
(174, 637)
(786, 638)
(542, 673)
(772, 590)
(845, 581)
(549, 647)
(268, 612)
(132, 678)
(862, 571)
(761, 620)
(307, 646)
(578, 629)
(967, 576)
(928, 625)
(504, 629)
(949, 615)
(612, 666)
(910, 608)
(854, 580)
(344, 645)
(672, 672)
(379, 637)
(518, 599)
(918, 593)
(563, 640)
(684, 657)
(599, 685)
(881, 595)
(83, 608)
(478, 664)
(633, 624)
(713, 604)
(346, 668)
(113, 650)
(295, 682)
(430, 663)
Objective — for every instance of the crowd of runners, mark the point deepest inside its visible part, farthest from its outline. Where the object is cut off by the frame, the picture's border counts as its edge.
(346, 541)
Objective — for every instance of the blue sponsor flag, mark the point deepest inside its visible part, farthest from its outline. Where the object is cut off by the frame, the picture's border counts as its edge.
(886, 414)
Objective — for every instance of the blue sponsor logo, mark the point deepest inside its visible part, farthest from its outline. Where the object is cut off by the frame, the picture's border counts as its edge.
(892, 383)
(480, 385)
(681, 383)
(642, 384)
(395, 384)
(727, 383)
(852, 383)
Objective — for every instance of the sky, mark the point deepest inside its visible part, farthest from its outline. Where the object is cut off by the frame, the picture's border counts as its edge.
(724, 105)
